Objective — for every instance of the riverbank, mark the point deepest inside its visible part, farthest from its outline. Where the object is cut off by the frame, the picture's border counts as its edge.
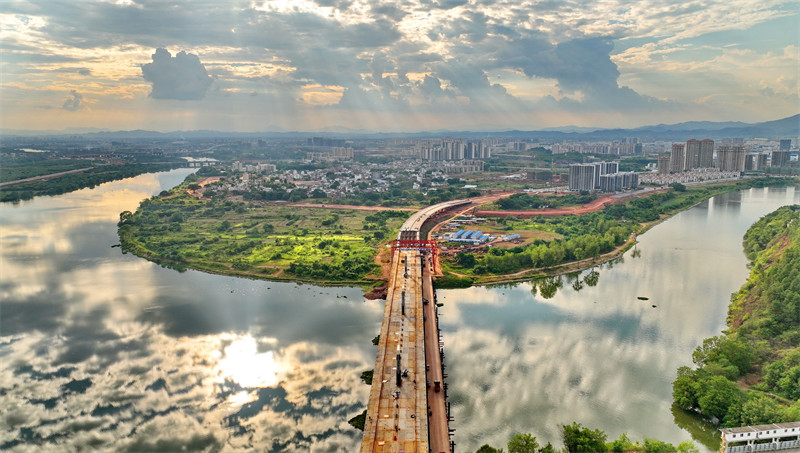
(585, 240)
(69, 181)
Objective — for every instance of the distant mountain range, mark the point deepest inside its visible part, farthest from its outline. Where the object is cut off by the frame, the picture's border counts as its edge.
(783, 128)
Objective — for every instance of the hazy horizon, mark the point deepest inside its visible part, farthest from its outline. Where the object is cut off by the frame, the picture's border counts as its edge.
(409, 66)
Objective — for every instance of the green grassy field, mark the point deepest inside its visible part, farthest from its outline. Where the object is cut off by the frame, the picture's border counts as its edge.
(270, 241)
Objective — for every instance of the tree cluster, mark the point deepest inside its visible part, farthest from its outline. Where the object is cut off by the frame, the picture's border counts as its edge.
(74, 181)
(587, 236)
(579, 439)
(522, 201)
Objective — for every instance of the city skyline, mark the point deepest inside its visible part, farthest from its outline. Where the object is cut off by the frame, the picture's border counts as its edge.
(394, 66)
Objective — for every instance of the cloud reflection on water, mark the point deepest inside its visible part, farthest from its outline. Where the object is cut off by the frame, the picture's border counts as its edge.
(108, 352)
(520, 362)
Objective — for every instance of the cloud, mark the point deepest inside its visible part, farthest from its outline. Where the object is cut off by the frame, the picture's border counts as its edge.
(73, 102)
(583, 57)
(431, 87)
(182, 77)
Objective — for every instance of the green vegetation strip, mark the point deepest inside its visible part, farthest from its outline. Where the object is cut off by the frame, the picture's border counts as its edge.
(523, 201)
(750, 375)
(579, 439)
(34, 166)
(240, 238)
(74, 181)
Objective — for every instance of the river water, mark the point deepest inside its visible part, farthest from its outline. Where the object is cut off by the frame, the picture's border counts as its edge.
(101, 351)
(525, 360)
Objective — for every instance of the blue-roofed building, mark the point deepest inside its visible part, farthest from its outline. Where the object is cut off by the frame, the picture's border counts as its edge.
(458, 233)
(476, 234)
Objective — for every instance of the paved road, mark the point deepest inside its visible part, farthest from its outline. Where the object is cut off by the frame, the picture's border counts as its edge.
(43, 177)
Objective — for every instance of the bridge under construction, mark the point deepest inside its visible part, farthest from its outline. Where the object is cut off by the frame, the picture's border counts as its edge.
(407, 409)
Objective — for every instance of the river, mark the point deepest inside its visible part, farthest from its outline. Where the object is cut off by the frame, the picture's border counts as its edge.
(598, 355)
(108, 352)
(104, 351)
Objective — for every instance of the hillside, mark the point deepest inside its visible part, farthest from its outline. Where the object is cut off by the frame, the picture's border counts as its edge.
(781, 128)
(751, 374)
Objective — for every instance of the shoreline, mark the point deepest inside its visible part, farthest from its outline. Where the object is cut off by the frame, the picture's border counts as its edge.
(370, 284)
(559, 269)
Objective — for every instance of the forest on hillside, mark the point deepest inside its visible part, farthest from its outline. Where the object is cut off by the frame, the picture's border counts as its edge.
(750, 374)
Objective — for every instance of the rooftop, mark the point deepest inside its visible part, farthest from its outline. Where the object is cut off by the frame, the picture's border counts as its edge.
(751, 429)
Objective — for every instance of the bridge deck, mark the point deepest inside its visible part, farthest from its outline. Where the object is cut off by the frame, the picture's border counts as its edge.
(397, 414)
(405, 414)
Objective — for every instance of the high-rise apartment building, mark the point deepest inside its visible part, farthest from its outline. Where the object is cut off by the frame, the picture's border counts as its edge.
(779, 158)
(450, 149)
(786, 144)
(603, 168)
(600, 175)
(343, 153)
(663, 165)
(755, 161)
(699, 154)
(617, 181)
(731, 157)
(581, 177)
(677, 158)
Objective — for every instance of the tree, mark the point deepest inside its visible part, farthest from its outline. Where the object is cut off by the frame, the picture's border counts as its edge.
(465, 259)
(684, 388)
(486, 448)
(623, 444)
(124, 216)
(688, 446)
(717, 395)
(297, 195)
(547, 448)
(579, 439)
(657, 446)
(757, 410)
(523, 443)
(724, 351)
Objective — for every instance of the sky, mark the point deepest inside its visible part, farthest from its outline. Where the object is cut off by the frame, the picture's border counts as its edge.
(395, 66)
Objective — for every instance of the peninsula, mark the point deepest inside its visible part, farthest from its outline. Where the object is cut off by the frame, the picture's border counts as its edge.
(194, 226)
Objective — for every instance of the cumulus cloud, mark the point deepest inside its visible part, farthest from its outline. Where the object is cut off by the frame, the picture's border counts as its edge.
(182, 77)
(586, 56)
(73, 102)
